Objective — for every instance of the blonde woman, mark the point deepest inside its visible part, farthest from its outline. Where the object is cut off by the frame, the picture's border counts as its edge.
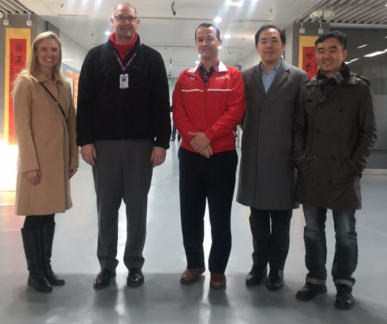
(48, 154)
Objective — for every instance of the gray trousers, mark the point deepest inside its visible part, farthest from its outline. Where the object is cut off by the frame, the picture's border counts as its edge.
(123, 170)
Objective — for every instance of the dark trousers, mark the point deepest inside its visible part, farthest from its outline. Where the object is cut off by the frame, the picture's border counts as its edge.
(213, 180)
(123, 171)
(173, 134)
(270, 230)
(346, 251)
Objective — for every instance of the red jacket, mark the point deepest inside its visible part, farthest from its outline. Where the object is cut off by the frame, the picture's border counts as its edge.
(215, 110)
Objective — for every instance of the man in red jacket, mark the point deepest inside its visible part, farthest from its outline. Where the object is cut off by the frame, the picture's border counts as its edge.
(208, 104)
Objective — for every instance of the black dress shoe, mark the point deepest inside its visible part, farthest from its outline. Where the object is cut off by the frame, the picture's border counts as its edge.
(255, 276)
(135, 278)
(344, 298)
(309, 291)
(103, 278)
(275, 280)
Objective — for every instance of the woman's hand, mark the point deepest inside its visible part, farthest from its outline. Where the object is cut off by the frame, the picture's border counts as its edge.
(33, 176)
(72, 171)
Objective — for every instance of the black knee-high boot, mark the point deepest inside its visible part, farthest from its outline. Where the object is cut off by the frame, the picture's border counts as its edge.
(33, 250)
(48, 232)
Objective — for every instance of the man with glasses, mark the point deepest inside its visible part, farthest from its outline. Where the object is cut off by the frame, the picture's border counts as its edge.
(123, 127)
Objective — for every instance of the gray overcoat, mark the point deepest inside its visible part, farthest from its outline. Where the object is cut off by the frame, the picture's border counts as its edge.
(267, 176)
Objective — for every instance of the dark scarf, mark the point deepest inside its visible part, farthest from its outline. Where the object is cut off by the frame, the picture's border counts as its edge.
(340, 76)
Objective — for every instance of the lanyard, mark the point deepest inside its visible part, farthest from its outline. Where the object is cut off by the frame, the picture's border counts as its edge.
(56, 101)
(127, 64)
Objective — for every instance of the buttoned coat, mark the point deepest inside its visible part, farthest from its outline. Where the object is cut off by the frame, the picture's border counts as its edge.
(267, 175)
(46, 142)
(334, 132)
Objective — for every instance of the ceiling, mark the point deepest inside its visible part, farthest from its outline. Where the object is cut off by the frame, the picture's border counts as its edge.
(364, 12)
(86, 21)
(171, 32)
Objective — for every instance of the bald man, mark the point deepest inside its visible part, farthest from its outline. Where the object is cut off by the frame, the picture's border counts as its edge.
(123, 127)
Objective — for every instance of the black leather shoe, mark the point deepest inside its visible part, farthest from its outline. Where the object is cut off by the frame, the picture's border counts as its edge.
(135, 278)
(344, 298)
(309, 291)
(255, 276)
(103, 278)
(275, 280)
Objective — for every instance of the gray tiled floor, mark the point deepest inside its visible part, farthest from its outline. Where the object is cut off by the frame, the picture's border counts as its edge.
(162, 299)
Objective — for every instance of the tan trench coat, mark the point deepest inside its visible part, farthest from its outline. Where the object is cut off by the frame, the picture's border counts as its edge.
(46, 142)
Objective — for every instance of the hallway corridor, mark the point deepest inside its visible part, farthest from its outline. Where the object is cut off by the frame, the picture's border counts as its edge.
(162, 299)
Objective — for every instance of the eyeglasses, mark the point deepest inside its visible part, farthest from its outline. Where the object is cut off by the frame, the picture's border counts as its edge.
(122, 19)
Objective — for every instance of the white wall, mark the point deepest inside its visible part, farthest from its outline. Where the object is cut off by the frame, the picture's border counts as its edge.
(251, 60)
(72, 50)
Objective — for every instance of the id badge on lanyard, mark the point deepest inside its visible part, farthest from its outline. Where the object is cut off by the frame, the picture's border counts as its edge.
(124, 77)
(124, 81)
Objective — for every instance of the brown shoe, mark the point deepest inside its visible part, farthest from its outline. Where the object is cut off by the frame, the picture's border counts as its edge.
(190, 275)
(218, 281)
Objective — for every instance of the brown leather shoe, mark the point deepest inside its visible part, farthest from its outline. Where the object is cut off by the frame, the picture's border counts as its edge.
(190, 275)
(218, 281)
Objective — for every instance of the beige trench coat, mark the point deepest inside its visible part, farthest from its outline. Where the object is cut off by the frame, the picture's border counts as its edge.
(46, 142)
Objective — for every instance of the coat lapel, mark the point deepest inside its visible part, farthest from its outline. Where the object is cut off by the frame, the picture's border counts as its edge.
(280, 77)
(257, 78)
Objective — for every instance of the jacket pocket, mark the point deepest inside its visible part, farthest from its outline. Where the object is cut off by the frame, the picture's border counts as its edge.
(304, 165)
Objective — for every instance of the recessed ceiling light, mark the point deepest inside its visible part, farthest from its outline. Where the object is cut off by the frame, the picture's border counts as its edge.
(217, 19)
(376, 53)
(234, 3)
(353, 60)
(107, 33)
(227, 36)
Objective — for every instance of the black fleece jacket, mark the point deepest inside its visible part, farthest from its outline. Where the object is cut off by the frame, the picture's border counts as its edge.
(106, 112)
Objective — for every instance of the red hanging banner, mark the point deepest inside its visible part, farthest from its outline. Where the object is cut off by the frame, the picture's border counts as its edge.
(17, 51)
(309, 63)
(306, 55)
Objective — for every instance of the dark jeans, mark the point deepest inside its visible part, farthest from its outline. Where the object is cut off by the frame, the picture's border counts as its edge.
(346, 252)
(271, 243)
(204, 179)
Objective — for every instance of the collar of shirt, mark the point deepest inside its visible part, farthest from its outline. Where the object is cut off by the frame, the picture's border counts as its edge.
(41, 77)
(205, 76)
(267, 78)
